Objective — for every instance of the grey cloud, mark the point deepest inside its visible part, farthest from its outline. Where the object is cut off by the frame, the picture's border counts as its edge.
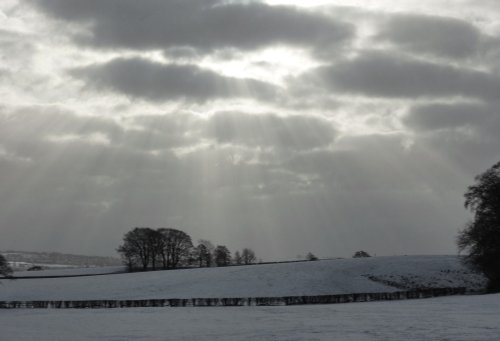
(154, 81)
(269, 130)
(236, 178)
(106, 190)
(203, 24)
(431, 117)
(424, 34)
(182, 53)
(27, 128)
(17, 49)
(392, 76)
(463, 135)
(167, 131)
(366, 163)
(469, 151)
(35, 132)
(370, 181)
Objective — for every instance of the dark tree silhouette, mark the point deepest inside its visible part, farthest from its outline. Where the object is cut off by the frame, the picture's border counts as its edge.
(361, 254)
(237, 259)
(201, 254)
(5, 269)
(248, 256)
(137, 247)
(176, 245)
(311, 256)
(129, 255)
(481, 236)
(222, 256)
(145, 247)
(204, 252)
(155, 244)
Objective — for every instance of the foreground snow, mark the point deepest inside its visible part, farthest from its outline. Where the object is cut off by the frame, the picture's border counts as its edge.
(326, 277)
(449, 318)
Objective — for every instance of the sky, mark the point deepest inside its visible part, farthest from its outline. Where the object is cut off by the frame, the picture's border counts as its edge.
(284, 126)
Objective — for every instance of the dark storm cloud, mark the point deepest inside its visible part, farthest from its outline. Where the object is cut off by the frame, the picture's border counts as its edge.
(393, 76)
(202, 24)
(269, 130)
(435, 35)
(149, 80)
(431, 117)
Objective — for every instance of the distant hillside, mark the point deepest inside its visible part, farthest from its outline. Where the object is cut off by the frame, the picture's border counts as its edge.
(22, 260)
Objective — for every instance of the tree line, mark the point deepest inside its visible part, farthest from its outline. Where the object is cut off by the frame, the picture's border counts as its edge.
(168, 248)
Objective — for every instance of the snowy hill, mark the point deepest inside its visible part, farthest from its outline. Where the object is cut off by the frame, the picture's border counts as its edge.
(65, 271)
(23, 260)
(325, 277)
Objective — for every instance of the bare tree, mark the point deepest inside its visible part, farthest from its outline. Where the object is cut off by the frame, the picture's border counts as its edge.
(176, 247)
(237, 259)
(136, 247)
(201, 255)
(205, 252)
(155, 245)
(146, 247)
(248, 256)
(129, 256)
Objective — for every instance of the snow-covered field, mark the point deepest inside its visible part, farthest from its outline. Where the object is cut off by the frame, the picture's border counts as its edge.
(71, 271)
(326, 277)
(22, 267)
(457, 318)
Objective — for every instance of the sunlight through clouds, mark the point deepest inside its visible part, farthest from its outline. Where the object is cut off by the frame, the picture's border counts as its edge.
(328, 126)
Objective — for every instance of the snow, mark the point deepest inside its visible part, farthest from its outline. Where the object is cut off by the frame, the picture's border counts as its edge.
(457, 318)
(23, 266)
(71, 271)
(326, 277)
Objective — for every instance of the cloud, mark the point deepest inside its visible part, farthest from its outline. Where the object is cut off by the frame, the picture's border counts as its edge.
(24, 125)
(464, 135)
(202, 24)
(269, 130)
(376, 74)
(163, 131)
(238, 160)
(39, 132)
(435, 35)
(141, 78)
(432, 117)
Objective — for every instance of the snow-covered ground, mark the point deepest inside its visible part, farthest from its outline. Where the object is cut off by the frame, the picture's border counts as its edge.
(457, 318)
(326, 277)
(24, 266)
(71, 271)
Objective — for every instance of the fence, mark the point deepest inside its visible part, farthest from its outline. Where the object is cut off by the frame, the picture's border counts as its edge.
(232, 302)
